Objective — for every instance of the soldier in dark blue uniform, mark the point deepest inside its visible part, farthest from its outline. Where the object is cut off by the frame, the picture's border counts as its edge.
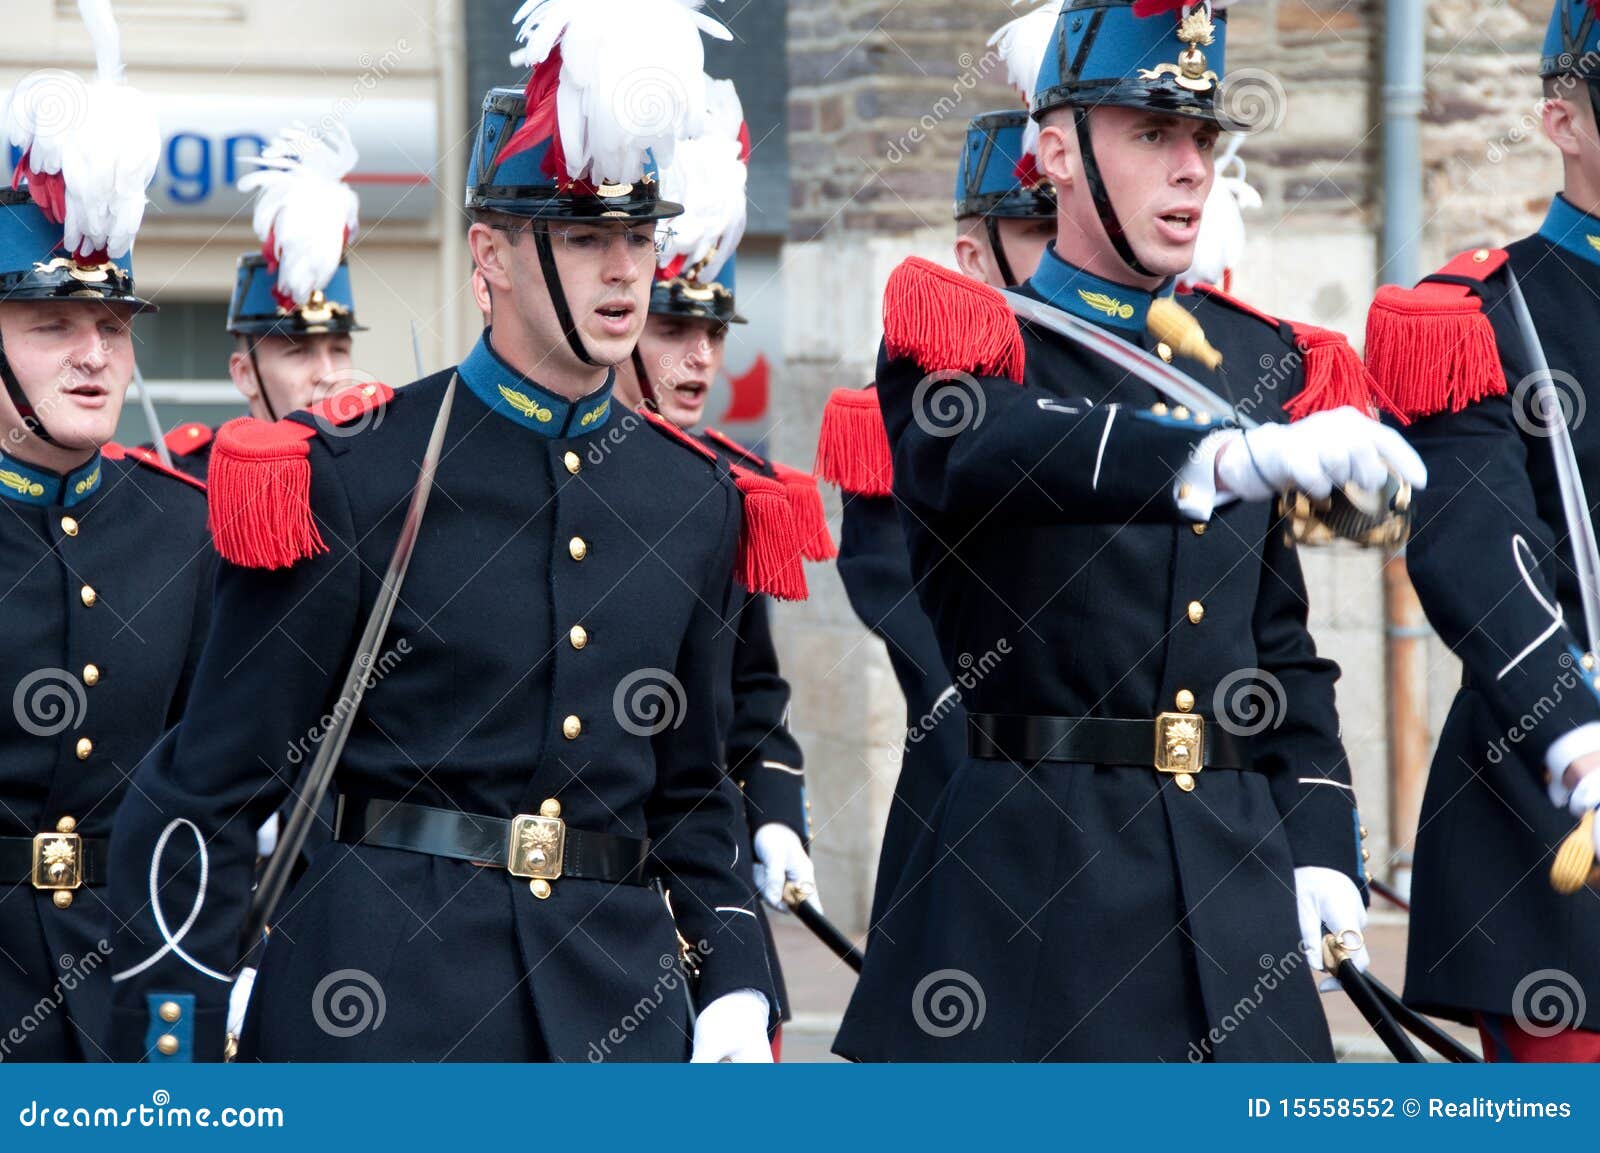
(1113, 566)
(292, 313)
(539, 745)
(1491, 942)
(103, 554)
(1002, 210)
(680, 353)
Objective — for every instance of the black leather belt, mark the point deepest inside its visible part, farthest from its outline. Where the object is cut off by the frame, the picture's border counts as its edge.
(1102, 741)
(21, 862)
(542, 847)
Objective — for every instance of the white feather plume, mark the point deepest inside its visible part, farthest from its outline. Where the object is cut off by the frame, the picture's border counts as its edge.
(708, 177)
(1220, 245)
(305, 206)
(101, 137)
(632, 78)
(1022, 44)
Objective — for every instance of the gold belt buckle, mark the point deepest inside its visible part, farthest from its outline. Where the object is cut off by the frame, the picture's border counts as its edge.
(537, 846)
(1180, 747)
(57, 861)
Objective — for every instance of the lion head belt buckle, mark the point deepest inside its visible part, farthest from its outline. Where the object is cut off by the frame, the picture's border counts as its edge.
(1180, 747)
(57, 861)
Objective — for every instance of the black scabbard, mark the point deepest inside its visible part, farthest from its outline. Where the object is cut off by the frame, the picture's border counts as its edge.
(828, 933)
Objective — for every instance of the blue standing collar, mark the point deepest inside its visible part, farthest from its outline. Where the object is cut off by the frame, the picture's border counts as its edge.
(521, 401)
(1090, 297)
(30, 484)
(1572, 230)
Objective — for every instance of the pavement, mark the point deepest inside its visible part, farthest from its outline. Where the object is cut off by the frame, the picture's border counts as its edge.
(820, 985)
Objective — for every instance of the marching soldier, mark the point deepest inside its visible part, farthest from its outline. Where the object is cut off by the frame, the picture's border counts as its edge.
(1491, 942)
(292, 314)
(1126, 839)
(1005, 215)
(538, 748)
(679, 356)
(103, 551)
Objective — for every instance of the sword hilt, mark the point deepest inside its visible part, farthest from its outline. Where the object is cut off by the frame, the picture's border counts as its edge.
(1174, 326)
(1371, 519)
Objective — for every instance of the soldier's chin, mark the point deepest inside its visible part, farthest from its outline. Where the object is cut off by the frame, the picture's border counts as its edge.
(1162, 256)
(609, 349)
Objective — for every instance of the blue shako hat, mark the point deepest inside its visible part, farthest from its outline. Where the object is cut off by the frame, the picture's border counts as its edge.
(1162, 55)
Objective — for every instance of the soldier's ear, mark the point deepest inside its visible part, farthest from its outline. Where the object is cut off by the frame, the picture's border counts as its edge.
(1564, 128)
(1058, 152)
(243, 376)
(484, 244)
(969, 257)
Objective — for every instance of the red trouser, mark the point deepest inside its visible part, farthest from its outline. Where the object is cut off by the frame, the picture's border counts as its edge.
(1505, 1041)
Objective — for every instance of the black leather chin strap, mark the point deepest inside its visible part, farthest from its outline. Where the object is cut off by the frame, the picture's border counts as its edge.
(997, 246)
(19, 399)
(558, 296)
(261, 381)
(647, 390)
(1102, 196)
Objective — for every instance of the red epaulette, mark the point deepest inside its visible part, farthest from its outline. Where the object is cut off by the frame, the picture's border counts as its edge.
(947, 322)
(805, 499)
(1432, 347)
(150, 459)
(769, 551)
(853, 446)
(187, 438)
(260, 479)
(349, 405)
(260, 490)
(1334, 374)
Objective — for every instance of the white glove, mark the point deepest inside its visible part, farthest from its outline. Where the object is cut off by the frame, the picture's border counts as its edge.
(267, 837)
(781, 858)
(239, 1000)
(1315, 456)
(733, 1028)
(1584, 797)
(1328, 897)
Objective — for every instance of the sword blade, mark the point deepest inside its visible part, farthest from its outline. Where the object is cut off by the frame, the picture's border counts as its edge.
(275, 877)
(1574, 503)
(149, 407)
(1173, 383)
